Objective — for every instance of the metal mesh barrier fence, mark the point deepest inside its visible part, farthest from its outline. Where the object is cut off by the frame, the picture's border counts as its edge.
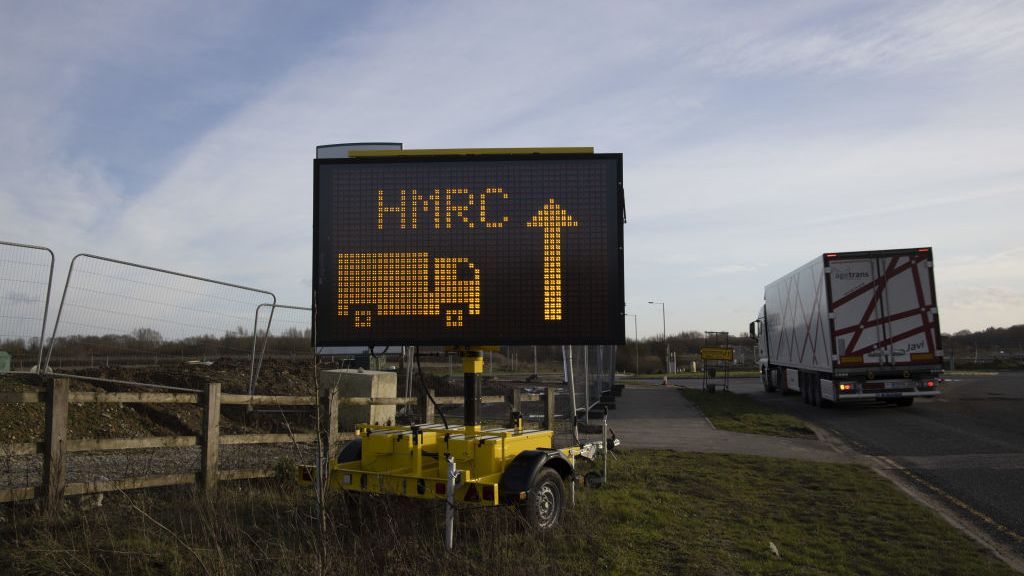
(288, 338)
(26, 273)
(593, 373)
(115, 313)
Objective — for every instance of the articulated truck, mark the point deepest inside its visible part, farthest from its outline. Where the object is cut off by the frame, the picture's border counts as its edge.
(851, 326)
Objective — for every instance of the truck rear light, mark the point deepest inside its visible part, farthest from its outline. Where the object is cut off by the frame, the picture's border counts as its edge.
(471, 494)
(846, 387)
(930, 384)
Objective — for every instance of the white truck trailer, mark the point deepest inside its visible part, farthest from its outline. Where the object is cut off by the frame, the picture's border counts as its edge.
(852, 326)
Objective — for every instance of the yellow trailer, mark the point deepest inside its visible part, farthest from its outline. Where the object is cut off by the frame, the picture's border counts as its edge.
(489, 466)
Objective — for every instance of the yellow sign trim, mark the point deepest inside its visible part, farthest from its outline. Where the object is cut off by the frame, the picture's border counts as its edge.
(469, 151)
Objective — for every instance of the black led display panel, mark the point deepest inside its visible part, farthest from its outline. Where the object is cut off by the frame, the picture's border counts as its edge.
(469, 250)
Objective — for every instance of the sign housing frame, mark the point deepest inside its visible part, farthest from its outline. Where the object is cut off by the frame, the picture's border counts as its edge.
(615, 332)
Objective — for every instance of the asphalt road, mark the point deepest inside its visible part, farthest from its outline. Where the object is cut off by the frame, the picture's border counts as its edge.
(965, 447)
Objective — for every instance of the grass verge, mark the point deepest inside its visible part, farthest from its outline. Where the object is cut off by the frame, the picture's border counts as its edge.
(740, 413)
(676, 513)
(660, 513)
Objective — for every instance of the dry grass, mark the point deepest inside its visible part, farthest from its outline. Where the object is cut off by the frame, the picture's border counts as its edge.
(660, 513)
(265, 528)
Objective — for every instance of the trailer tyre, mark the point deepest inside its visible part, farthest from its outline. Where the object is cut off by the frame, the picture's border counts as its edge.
(905, 402)
(546, 500)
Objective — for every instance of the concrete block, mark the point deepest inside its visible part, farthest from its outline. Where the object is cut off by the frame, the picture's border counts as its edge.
(363, 384)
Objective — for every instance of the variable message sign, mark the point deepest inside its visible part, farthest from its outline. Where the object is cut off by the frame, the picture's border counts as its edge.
(469, 249)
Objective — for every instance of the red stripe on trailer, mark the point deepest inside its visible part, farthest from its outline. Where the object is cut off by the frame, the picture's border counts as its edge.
(870, 285)
(921, 306)
(899, 316)
(925, 326)
(879, 285)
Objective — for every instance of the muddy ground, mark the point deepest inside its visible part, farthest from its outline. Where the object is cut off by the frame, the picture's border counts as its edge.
(24, 422)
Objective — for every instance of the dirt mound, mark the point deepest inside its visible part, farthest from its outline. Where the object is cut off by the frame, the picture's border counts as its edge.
(24, 422)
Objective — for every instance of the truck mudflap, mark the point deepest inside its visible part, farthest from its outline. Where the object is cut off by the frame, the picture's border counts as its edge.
(516, 481)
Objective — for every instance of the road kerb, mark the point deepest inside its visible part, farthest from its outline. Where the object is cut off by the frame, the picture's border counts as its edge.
(901, 478)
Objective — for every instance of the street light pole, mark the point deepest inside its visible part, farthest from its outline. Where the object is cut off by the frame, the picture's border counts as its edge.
(664, 335)
(636, 343)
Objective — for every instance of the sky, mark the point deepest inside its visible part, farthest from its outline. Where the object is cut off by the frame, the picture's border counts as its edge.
(755, 135)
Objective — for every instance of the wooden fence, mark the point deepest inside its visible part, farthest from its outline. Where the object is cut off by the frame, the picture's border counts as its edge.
(55, 444)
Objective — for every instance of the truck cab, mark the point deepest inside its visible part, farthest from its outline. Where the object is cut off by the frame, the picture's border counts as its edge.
(758, 333)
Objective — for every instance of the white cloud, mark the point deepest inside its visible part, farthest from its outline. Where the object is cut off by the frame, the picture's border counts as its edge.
(754, 138)
(883, 37)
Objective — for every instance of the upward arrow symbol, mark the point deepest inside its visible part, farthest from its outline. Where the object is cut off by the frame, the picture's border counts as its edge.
(552, 218)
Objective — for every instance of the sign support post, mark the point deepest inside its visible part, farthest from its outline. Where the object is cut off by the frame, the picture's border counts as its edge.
(472, 367)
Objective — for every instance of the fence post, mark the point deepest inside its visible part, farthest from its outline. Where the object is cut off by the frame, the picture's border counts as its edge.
(330, 407)
(549, 408)
(54, 479)
(426, 407)
(211, 439)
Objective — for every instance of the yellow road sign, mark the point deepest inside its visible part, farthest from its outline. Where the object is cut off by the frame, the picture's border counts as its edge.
(708, 353)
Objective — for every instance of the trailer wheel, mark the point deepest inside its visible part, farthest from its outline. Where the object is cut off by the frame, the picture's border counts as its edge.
(546, 500)
(351, 452)
(905, 402)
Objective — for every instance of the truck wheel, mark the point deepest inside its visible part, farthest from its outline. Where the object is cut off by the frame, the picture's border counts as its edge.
(546, 499)
(815, 391)
(766, 380)
(905, 402)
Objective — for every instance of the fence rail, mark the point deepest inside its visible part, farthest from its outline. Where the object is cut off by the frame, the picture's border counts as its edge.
(55, 445)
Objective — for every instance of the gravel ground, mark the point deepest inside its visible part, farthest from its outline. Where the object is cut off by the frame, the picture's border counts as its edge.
(20, 471)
